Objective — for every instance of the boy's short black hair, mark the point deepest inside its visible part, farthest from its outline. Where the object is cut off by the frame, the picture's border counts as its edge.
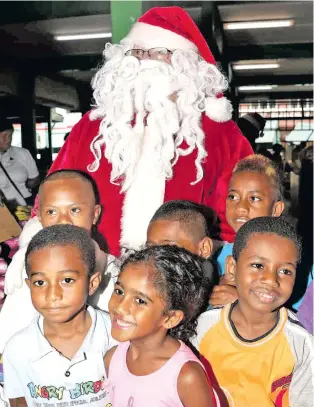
(64, 174)
(263, 165)
(198, 220)
(64, 235)
(266, 225)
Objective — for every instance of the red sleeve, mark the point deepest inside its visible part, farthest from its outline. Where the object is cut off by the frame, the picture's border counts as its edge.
(226, 146)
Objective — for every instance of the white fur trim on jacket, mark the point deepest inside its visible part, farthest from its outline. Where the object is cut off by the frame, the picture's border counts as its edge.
(218, 109)
(151, 36)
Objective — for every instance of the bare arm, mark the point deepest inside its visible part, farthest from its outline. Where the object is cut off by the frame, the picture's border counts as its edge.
(193, 387)
(20, 402)
(107, 358)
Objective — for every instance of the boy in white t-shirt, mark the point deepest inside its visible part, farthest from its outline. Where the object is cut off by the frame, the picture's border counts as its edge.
(65, 197)
(58, 358)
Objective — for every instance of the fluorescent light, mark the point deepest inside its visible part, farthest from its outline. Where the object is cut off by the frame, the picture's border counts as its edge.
(82, 36)
(245, 25)
(246, 67)
(257, 87)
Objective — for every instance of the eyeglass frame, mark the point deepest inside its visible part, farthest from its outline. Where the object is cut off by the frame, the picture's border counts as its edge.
(169, 52)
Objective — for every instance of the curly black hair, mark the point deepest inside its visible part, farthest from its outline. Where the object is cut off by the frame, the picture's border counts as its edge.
(64, 235)
(198, 220)
(181, 281)
(266, 225)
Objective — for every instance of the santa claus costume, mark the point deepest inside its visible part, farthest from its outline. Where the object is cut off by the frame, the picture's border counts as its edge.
(141, 147)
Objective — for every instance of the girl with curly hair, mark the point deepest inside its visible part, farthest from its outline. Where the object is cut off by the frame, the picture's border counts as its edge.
(154, 308)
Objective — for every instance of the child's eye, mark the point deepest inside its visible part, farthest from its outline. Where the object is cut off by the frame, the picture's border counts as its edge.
(140, 301)
(51, 212)
(258, 266)
(286, 272)
(231, 197)
(76, 210)
(39, 283)
(118, 291)
(68, 280)
(255, 198)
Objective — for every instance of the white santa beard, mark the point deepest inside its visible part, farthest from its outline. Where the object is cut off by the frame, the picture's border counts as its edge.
(146, 154)
(143, 197)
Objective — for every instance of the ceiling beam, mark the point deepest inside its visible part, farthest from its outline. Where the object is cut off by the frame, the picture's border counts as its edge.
(275, 96)
(270, 51)
(273, 80)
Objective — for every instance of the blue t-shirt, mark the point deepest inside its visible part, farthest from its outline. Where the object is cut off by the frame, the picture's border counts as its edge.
(221, 259)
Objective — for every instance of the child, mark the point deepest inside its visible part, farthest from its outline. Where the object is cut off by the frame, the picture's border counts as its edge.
(65, 196)
(153, 309)
(255, 190)
(59, 356)
(185, 224)
(259, 352)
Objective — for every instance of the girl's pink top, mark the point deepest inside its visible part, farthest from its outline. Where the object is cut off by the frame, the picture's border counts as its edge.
(158, 389)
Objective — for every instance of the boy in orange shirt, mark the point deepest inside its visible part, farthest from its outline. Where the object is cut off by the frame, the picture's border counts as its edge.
(259, 352)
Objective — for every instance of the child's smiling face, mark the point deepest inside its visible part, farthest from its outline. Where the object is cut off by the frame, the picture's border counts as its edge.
(136, 309)
(250, 195)
(265, 272)
(68, 201)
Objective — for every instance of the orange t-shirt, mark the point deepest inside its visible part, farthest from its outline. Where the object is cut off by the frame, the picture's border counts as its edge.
(274, 370)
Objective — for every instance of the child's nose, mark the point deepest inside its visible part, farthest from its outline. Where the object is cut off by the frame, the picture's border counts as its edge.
(123, 307)
(54, 292)
(64, 219)
(269, 278)
(242, 206)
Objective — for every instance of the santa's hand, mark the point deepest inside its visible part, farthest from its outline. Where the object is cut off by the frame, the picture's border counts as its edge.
(15, 274)
(222, 295)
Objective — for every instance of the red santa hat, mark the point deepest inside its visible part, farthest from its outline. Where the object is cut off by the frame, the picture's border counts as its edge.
(170, 27)
(173, 28)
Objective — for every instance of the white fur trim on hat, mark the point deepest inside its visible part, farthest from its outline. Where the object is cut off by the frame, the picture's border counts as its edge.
(150, 36)
(218, 109)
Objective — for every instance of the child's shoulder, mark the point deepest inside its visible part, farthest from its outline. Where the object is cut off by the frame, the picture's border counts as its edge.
(24, 341)
(205, 322)
(295, 329)
(102, 329)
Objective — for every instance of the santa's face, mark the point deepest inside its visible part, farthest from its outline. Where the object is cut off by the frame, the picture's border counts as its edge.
(166, 92)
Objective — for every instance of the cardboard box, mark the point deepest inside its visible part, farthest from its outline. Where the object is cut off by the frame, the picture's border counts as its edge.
(9, 227)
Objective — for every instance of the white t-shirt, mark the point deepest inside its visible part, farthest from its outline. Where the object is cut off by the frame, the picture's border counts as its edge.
(35, 370)
(21, 166)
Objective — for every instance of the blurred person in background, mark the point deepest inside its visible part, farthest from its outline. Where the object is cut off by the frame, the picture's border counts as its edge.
(252, 126)
(18, 170)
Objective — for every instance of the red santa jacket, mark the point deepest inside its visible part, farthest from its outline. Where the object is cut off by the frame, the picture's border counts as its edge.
(225, 146)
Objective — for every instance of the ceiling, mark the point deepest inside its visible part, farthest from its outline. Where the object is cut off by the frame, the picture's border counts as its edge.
(28, 28)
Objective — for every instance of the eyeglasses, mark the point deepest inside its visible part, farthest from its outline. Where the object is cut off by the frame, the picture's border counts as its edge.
(160, 53)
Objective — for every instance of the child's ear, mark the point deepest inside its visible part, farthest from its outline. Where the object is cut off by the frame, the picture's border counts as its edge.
(174, 317)
(94, 282)
(28, 282)
(230, 269)
(278, 208)
(206, 247)
(97, 212)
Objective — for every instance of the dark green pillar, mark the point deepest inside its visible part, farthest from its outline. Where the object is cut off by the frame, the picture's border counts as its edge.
(123, 15)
